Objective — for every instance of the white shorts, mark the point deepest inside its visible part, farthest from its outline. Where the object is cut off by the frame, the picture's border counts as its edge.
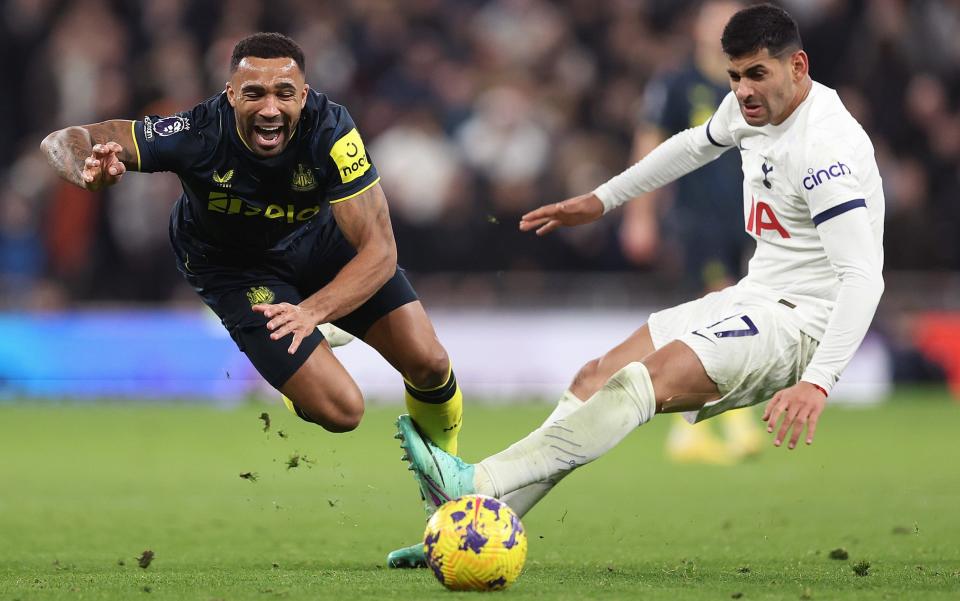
(750, 347)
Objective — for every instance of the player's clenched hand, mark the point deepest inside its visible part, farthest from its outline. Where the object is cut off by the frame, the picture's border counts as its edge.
(573, 211)
(288, 319)
(103, 167)
(800, 405)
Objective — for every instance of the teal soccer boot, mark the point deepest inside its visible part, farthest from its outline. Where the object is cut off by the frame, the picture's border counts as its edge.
(440, 475)
(407, 557)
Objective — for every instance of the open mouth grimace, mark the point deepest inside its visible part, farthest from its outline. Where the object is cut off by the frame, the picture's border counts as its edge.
(267, 136)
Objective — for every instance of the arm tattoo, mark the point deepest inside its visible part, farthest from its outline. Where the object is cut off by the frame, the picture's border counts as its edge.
(116, 131)
(67, 148)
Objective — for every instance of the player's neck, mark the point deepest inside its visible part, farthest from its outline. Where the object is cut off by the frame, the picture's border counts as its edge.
(803, 90)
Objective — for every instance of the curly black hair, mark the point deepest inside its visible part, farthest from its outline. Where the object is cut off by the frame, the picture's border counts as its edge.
(761, 26)
(267, 45)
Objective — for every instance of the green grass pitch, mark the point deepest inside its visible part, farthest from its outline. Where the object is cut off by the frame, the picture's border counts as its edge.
(84, 490)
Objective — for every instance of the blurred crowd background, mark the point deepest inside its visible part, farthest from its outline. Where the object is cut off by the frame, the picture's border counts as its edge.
(474, 111)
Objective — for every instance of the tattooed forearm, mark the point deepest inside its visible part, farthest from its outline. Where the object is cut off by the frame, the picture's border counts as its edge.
(66, 150)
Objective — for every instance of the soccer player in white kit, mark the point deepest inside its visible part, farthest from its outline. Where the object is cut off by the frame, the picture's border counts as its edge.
(812, 200)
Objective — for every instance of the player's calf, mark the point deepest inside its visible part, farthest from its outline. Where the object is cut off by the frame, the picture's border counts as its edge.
(405, 337)
(433, 397)
(428, 369)
(438, 410)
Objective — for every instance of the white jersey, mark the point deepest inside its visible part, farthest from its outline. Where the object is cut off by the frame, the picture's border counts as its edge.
(814, 166)
(813, 201)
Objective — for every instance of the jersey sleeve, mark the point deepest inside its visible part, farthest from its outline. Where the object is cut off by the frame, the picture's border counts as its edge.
(849, 243)
(829, 181)
(717, 128)
(831, 186)
(171, 143)
(675, 157)
(351, 170)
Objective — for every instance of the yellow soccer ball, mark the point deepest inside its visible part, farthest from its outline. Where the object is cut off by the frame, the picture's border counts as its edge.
(475, 543)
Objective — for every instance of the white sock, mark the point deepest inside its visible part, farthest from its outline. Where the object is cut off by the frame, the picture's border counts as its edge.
(523, 500)
(625, 402)
(567, 404)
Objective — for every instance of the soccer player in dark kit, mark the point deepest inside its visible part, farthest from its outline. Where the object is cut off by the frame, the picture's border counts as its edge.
(282, 226)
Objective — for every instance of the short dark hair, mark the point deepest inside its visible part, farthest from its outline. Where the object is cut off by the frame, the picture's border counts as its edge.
(757, 27)
(267, 45)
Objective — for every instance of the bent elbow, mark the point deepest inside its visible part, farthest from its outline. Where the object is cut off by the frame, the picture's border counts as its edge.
(391, 263)
(387, 262)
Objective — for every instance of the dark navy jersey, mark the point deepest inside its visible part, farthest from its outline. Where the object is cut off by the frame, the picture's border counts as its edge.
(236, 203)
(685, 99)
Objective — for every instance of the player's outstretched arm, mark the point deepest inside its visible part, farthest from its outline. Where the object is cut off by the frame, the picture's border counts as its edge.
(578, 210)
(91, 156)
(673, 158)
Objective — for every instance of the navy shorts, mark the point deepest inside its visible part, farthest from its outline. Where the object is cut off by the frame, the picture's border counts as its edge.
(231, 286)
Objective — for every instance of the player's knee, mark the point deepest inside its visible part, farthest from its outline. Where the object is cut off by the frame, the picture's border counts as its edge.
(588, 380)
(344, 420)
(345, 413)
(429, 369)
(341, 413)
